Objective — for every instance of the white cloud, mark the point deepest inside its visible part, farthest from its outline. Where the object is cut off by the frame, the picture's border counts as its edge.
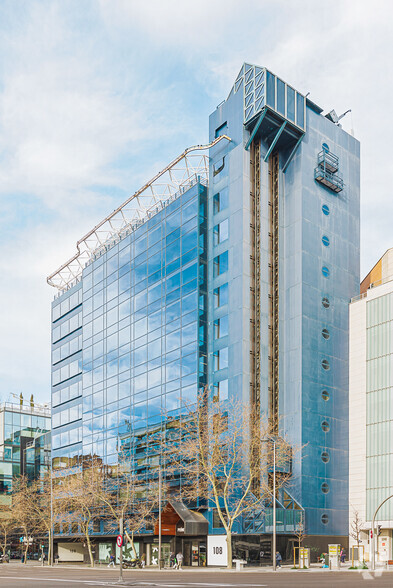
(96, 97)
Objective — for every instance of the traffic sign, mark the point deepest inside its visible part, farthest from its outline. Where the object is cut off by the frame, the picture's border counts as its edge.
(119, 540)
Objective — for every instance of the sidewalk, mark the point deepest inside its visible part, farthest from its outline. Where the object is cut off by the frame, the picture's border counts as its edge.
(286, 568)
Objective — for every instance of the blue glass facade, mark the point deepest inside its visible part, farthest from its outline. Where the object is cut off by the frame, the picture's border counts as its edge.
(214, 289)
(134, 331)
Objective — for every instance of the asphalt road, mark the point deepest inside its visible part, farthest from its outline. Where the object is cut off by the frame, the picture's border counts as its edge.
(19, 576)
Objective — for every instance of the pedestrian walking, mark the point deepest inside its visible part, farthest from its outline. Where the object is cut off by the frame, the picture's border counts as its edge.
(342, 556)
(179, 559)
(111, 560)
(278, 559)
(172, 560)
(143, 560)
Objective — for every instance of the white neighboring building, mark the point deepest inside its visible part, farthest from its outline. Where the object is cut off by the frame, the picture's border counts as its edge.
(371, 405)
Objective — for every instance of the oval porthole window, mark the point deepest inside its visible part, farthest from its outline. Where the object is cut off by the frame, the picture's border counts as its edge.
(325, 519)
(326, 241)
(325, 302)
(325, 395)
(325, 457)
(325, 364)
(325, 209)
(325, 426)
(325, 334)
(325, 487)
(325, 271)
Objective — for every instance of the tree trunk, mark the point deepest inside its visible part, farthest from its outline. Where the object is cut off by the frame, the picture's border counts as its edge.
(26, 549)
(229, 550)
(90, 551)
(131, 540)
(50, 546)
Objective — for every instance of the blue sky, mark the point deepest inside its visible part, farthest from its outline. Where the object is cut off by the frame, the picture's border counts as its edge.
(97, 96)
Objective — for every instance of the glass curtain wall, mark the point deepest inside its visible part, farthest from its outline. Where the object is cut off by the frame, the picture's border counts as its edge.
(379, 405)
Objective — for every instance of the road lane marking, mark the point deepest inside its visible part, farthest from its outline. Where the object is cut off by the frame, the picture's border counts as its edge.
(136, 583)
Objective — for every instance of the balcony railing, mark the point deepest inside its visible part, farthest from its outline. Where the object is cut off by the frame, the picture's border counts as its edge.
(332, 181)
(328, 161)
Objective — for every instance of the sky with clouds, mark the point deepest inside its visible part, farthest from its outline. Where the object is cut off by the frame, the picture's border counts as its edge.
(96, 96)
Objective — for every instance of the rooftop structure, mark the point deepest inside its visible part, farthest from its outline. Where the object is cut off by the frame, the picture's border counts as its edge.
(186, 169)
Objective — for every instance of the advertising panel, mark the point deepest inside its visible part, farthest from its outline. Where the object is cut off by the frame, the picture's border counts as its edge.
(216, 550)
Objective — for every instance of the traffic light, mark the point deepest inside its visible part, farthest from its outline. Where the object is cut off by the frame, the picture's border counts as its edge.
(379, 530)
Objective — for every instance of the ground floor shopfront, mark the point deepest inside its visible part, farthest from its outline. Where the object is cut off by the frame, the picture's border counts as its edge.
(198, 551)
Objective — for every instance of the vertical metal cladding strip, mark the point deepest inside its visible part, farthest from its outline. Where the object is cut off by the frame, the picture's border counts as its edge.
(255, 296)
(274, 292)
(255, 293)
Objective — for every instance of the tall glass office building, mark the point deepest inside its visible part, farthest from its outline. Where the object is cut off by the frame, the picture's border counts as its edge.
(233, 268)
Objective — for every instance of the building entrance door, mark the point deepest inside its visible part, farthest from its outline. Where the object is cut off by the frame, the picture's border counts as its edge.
(194, 552)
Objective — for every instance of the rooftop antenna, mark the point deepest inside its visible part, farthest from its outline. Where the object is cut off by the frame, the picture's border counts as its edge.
(334, 118)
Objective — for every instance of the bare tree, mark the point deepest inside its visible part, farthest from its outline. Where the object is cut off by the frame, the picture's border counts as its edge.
(77, 500)
(23, 510)
(357, 526)
(7, 526)
(41, 507)
(124, 497)
(300, 533)
(223, 452)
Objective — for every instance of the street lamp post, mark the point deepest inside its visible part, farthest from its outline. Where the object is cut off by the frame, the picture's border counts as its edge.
(51, 513)
(373, 532)
(159, 515)
(274, 505)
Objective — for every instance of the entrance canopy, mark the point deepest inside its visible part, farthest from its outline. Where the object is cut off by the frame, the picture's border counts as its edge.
(178, 519)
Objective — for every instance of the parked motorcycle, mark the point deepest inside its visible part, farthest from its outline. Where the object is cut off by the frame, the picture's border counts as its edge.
(132, 563)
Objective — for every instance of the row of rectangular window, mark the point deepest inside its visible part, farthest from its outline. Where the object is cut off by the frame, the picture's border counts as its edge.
(168, 372)
(66, 305)
(154, 296)
(126, 293)
(122, 395)
(220, 327)
(66, 416)
(66, 372)
(220, 200)
(68, 326)
(177, 310)
(180, 243)
(66, 438)
(220, 295)
(379, 405)
(380, 310)
(220, 264)
(17, 420)
(220, 359)
(66, 349)
(221, 232)
(380, 340)
(147, 354)
(134, 335)
(66, 393)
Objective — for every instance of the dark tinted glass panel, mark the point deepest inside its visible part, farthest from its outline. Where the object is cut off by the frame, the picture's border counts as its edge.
(290, 103)
(280, 96)
(271, 89)
(300, 110)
